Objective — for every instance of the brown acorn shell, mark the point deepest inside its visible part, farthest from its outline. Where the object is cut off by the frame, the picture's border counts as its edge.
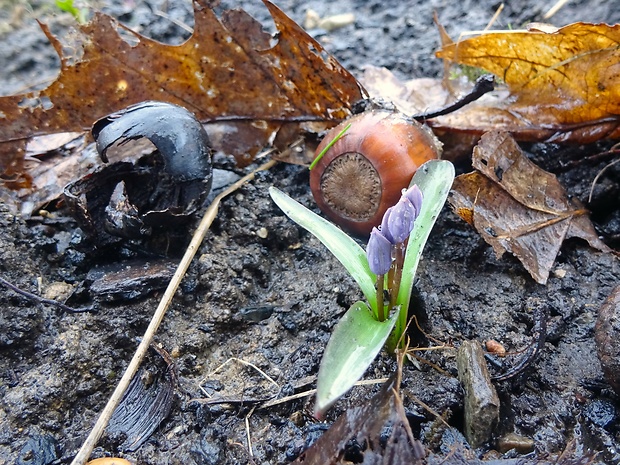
(391, 147)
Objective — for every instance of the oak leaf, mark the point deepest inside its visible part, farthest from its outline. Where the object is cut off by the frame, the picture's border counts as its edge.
(517, 207)
(228, 70)
(564, 84)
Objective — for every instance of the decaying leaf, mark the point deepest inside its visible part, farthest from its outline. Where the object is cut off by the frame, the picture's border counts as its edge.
(228, 70)
(365, 423)
(412, 96)
(560, 86)
(518, 207)
(564, 83)
(146, 403)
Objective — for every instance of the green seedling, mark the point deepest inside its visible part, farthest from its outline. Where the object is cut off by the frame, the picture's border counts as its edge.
(67, 5)
(389, 264)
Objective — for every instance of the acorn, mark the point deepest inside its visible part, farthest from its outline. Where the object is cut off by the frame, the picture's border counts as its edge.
(364, 172)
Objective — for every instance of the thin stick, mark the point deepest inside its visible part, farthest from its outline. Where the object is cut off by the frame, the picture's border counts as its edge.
(247, 431)
(429, 409)
(181, 24)
(271, 403)
(554, 9)
(243, 362)
(483, 85)
(600, 173)
(43, 300)
(158, 316)
(495, 16)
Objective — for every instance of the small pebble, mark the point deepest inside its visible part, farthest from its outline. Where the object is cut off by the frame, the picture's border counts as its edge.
(511, 441)
(494, 347)
(329, 23)
(559, 273)
(262, 233)
(334, 22)
(58, 290)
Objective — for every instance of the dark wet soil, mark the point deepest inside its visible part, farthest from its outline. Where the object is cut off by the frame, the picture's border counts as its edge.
(263, 291)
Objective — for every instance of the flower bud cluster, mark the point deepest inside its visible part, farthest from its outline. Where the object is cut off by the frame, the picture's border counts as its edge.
(395, 228)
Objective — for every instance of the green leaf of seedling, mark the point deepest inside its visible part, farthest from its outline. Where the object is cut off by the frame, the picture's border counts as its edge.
(357, 339)
(434, 178)
(67, 6)
(329, 146)
(344, 248)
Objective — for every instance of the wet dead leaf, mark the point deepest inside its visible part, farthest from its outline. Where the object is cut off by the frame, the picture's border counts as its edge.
(564, 83)
(518, 207)
(228, 70)
(146, 403)
(412, 96)
(560, 85)
(366, 423)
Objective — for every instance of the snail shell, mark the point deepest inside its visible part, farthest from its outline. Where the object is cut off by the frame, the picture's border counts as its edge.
(364, 172)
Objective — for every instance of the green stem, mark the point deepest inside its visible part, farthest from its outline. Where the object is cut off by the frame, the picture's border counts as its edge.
(380, 304)
(401, 323)
(399, 259)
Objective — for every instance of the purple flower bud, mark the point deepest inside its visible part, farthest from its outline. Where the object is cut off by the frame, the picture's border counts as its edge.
(415, 196)
(379, 253)
(400, 221)
(385, 231)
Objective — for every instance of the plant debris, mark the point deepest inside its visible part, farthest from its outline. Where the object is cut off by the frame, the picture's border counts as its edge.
(481, 405)
(558, 86)
(533, 352)
(519, 208)
(162, 189)
(366, 424)
(228, 70)
(146, 403)
(563, 82)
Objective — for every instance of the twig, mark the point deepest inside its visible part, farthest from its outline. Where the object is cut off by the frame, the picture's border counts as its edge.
(436, 367)
(158, 316)
(483, 85)
(500, 8)
(555, 8)
(271, 403)
(247, 431)
(600, 173)
(179, 23)
(43, 300)
(243, 362)
(429, 409)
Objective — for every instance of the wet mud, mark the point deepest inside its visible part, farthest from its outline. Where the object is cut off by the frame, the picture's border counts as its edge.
(264, 294)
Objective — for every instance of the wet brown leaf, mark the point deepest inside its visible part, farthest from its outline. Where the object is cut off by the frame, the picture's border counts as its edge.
(146, 403)
(228, 70)
(518, 207)
(366, 423)
(564, 83)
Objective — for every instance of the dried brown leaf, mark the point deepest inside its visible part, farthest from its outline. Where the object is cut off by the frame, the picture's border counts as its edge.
(564, 83)
(366, 423)
(518, 207)
(228, 70)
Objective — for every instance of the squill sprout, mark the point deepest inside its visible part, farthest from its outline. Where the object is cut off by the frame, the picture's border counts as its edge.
(384, 271)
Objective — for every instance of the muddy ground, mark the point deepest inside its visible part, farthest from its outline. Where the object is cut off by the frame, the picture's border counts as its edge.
(264, 291)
